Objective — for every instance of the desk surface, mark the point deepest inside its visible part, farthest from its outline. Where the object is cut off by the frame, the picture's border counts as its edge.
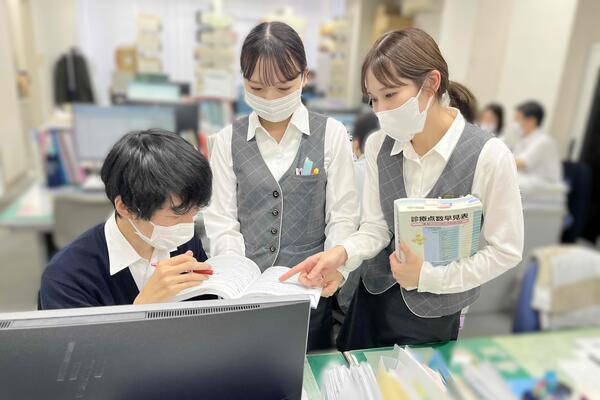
(516, 357)
(31, 210)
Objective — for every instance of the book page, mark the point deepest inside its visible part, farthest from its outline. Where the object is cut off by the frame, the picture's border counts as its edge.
(232, 275)
(268, 284)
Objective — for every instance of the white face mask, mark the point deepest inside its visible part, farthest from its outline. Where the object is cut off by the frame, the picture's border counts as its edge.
(275, 110)
(167, 237)
(517, 129)
(404, 122)
(488, 127)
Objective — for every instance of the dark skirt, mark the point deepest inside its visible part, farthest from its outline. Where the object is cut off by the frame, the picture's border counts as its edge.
(320, 329)
(384, 320)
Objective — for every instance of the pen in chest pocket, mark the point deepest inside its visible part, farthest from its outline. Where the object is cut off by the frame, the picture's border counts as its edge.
(308, 168)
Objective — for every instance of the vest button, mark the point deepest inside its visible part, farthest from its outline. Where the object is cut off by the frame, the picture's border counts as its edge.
(272, 248)
(275, 212)
(275, 193)
(274, 231)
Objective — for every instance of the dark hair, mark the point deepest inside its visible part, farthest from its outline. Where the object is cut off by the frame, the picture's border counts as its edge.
(532, 109)
(498, 111)
(463, 99)
(280, 49)
(409, 53)
(147, 167)
(364, 125)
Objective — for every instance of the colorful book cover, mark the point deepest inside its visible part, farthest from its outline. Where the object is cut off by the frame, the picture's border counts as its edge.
(439, 231)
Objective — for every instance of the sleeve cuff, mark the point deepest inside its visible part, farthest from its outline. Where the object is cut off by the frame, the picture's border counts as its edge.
(431, 278)
(345, 271)
(354, 260)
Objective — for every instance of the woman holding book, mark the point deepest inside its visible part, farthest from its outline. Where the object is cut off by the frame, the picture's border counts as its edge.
(424, 149)
(284, 180)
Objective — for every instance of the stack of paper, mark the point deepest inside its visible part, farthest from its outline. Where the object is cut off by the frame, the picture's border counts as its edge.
(439, 230)
(402, 377)
(149, 43)
(486, 382)
(354, 383)
(215, 55)
(583, 369)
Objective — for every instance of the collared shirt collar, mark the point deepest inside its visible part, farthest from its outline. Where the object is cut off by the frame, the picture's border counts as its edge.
(120, 252)
(444, 147)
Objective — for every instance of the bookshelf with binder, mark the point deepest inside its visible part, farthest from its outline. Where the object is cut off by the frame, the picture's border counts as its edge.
(57, 156)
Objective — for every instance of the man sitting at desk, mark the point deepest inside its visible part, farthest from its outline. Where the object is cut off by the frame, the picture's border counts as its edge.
(147, 248)
(535, 151)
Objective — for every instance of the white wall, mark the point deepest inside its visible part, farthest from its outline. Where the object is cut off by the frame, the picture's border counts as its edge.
(13, 160)
(430, 22)
(54, 32)
(16, 28)
(362, 13)
(579, 77)
(535, 54)
(508, 51)
(488, 49)
(457, 31)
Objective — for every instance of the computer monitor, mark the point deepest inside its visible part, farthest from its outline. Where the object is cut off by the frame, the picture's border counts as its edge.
(184, 88)
(348, 119)
(214, 349)
(97, 128)
(215, 114)
(345, 115)
(186, 114)
(153, 91)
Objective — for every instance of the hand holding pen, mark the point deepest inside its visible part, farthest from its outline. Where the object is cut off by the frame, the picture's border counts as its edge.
(172, 276)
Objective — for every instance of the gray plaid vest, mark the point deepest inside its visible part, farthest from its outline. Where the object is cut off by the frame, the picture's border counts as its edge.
(282, 222)
(456, 180)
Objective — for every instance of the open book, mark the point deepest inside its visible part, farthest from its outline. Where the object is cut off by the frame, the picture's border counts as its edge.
(235, 277)
(439, 230)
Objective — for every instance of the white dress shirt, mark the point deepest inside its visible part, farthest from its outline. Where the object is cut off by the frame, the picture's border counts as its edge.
(539, 152)
(494, 183)
(341, 209)
(122, 255)
(359, 174)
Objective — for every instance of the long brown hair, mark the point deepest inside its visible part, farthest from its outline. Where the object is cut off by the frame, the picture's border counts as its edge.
(409, 53)
(463, 99)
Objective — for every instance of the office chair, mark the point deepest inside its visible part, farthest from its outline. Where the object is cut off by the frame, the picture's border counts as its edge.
(76, 212)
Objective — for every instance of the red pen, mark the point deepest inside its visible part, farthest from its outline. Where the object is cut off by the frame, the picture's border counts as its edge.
(203, 271)
(196, 271)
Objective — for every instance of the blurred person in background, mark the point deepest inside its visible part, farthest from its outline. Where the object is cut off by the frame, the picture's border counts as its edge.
(492, 119)
(535, 151)
(364, 125)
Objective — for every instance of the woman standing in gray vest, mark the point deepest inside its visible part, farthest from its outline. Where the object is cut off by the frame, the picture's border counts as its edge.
(424, 149)
(283, 185)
